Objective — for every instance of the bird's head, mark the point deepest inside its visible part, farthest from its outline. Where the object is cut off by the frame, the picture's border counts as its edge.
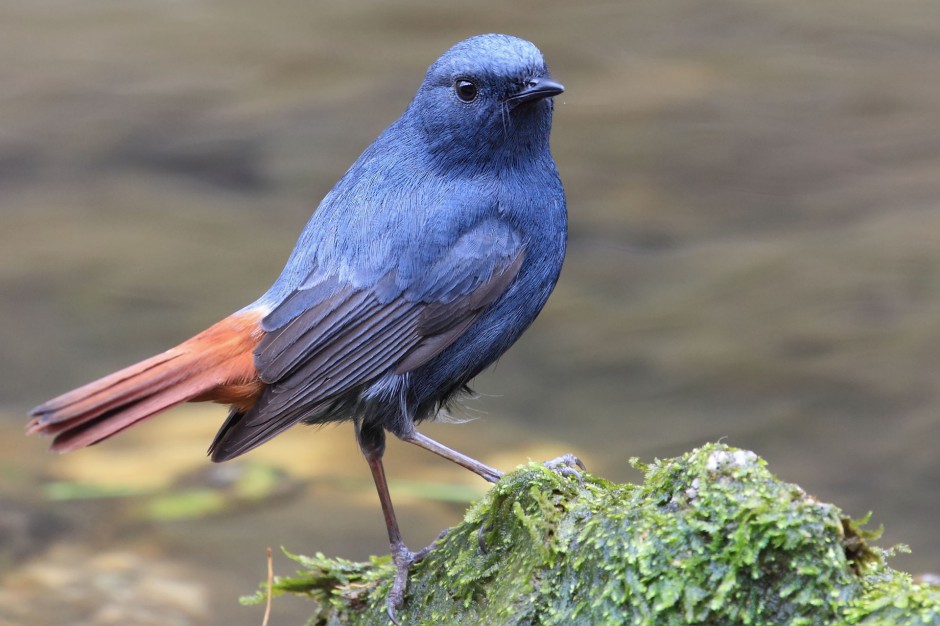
(487, 97)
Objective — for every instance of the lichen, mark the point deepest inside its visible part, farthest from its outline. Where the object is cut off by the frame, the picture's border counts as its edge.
(711, 537)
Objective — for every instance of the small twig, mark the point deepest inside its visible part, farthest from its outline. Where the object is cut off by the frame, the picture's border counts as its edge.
(267, 607)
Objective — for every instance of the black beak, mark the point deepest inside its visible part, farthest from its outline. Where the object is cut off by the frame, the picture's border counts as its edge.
(536, 89)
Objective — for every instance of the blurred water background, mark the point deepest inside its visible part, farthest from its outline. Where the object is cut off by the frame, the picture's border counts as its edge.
(754, 257)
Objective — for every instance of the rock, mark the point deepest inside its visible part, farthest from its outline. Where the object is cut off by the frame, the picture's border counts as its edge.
(711, 537)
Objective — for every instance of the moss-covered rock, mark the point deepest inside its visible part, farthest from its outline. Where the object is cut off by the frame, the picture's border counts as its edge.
(711, 537)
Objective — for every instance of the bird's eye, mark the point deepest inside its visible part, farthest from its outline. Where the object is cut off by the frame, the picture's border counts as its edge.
(465, 90)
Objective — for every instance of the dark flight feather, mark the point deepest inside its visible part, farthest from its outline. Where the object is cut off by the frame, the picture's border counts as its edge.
(350, 338)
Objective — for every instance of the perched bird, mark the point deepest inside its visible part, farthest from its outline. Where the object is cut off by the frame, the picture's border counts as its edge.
(425, 262)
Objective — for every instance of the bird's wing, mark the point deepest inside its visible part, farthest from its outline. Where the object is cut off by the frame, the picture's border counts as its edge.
(327, 337)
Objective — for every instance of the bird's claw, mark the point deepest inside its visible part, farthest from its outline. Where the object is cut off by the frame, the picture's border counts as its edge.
(404, 559)
(567, 465)
(481, 541)
(423, 552)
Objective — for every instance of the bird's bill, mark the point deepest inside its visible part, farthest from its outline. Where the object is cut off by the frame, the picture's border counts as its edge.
(536, 89)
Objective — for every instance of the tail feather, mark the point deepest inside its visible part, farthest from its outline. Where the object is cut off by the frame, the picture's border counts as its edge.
(217, 365)
(95, 398)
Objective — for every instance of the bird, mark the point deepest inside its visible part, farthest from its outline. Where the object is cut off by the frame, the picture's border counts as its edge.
(425, 262)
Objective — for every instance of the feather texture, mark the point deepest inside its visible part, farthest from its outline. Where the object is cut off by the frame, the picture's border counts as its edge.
(423, 264)
(215, 365)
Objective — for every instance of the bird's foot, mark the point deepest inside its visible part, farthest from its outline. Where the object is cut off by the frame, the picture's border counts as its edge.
(404, 559)
(567, 465)
(423, 552)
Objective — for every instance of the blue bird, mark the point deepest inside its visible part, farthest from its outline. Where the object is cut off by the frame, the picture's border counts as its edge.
(426, 261)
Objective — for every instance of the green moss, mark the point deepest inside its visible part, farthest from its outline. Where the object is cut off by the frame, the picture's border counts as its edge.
(893, 598)
(709, 538)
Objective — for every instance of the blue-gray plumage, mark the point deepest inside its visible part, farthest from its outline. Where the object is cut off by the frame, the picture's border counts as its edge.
(425, 262)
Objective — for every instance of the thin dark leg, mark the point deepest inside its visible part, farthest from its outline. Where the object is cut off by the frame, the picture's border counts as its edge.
(372, 444)
(488, 473)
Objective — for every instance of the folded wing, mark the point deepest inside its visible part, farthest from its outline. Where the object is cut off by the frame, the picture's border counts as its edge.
(328, 339)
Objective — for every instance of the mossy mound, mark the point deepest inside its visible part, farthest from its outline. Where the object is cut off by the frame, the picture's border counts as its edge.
(711, 537)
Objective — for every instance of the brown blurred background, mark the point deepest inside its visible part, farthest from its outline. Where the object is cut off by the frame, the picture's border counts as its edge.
(754, 192)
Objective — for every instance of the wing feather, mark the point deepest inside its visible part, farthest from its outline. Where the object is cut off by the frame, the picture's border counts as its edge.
(283, 351)
(331, 339)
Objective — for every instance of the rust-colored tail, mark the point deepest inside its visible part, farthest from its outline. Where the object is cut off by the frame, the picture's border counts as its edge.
(215, 365)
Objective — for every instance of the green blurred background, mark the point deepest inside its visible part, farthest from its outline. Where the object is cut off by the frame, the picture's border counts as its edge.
(753, 191)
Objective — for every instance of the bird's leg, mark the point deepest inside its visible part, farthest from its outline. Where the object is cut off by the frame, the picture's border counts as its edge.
(488, 473)
(372, 443)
